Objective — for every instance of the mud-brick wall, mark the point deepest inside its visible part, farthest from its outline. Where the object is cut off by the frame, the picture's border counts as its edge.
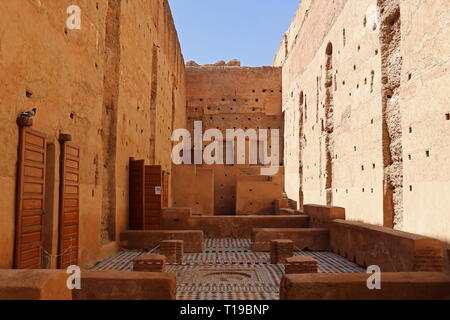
(425, 109)
(94, 83)
(233, 98)
(59, 71)
(151, 100)
(366, 112)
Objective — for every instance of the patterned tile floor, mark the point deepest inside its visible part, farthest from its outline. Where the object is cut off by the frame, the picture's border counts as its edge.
(229, 270)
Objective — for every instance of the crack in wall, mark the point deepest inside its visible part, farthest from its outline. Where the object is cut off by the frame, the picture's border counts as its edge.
(154, 103)
(301, 147)
(391, 65)
(109, 120)
(329, 124)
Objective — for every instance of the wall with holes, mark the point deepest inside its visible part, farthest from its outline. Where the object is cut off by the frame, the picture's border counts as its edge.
(96, 84)
(365, 111)
(151, 100)
(425, 122)
(234, 98)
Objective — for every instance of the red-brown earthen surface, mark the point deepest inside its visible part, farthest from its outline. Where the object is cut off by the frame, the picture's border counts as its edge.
(353, 286)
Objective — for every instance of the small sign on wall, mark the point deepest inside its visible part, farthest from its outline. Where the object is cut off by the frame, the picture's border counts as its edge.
(157, 190)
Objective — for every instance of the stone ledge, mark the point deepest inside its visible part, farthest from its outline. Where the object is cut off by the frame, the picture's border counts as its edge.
(34, 285)
(391, 250)
(315, 239)
(353, 286)
(149, 239)
(321, 216)
(124, 285)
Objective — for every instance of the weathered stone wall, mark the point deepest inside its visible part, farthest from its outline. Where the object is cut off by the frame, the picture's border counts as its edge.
(366, 112)
(96, 84)
(229, 97)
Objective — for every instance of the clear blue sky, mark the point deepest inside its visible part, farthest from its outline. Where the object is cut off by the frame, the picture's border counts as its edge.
(248, 30)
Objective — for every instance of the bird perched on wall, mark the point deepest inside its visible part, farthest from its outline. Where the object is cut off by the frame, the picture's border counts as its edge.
(29, 114)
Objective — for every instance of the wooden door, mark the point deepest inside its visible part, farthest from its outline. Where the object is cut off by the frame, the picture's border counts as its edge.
(136, 194)
(30, 199)
(153, 197)
(165, 190)
(69, 204)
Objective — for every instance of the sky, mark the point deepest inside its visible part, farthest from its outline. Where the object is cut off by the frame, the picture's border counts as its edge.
(247, 30)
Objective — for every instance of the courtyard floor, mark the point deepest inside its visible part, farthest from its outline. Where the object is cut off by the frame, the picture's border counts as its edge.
(229, 270)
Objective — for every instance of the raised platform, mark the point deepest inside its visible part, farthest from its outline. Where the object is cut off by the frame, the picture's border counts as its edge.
(321, 216)
(228, 226)
(34, 285)
(119, 285)
(391, 250)
(149, 239)
(394, 286)
(314, 239)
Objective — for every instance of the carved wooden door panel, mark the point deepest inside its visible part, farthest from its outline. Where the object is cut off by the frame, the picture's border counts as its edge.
(30, 199)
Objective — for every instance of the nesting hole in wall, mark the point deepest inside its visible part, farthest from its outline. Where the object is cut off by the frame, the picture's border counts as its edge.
(329, 50)
(427, 153)
(410, 188)
(447, 116)
(72, 115)
(28, 93)
(389, 94)
(410, 130)
(409, 157)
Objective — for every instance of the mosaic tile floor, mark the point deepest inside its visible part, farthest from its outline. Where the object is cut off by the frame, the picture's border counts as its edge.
(229, 270)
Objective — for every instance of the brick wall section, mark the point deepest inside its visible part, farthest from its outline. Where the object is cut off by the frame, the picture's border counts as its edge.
(392, 251)
(96, 84)
(379, 153)
(395, 286)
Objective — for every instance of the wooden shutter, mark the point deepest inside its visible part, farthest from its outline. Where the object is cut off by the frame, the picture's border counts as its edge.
(165, 190)
(30, 199)
(136, 194)
(69, 204)
(153, 190)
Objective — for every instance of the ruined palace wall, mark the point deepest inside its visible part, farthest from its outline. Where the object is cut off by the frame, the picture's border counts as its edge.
(228, 98)
(425, 108)
(94, 83)
(355, 112)
(151, 99)
(44, 65)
